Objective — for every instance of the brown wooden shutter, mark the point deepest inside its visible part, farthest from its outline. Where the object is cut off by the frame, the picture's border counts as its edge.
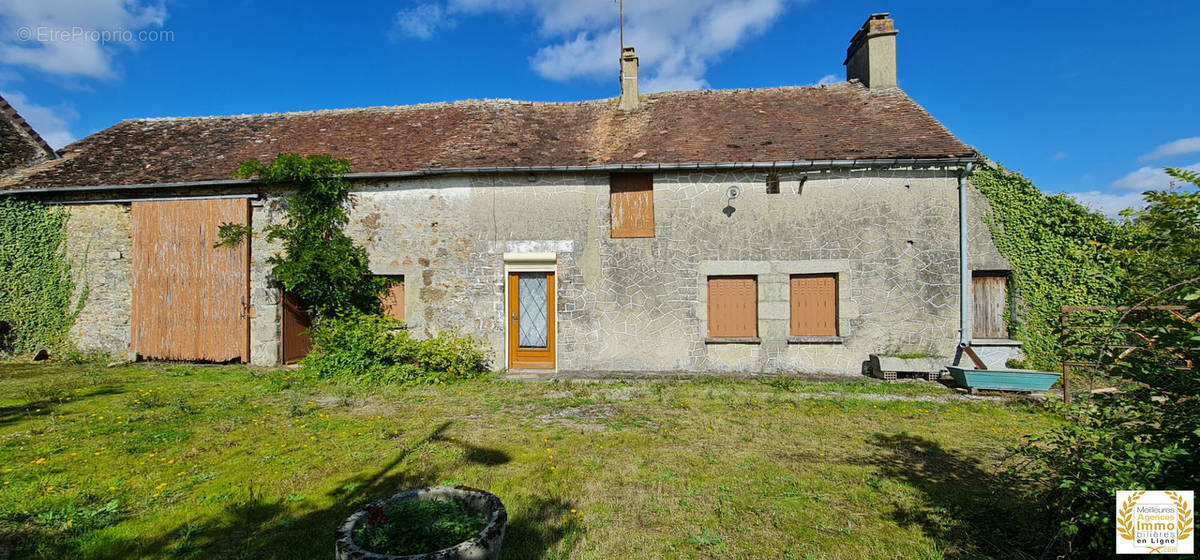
(631, 198)
(392, 300)
(989, 292)
(732, 306)
(814, 305)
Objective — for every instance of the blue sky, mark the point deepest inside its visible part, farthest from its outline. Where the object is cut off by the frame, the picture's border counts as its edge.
(1088, 98)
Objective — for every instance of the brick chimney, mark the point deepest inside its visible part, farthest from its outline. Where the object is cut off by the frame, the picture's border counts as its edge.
(871, 58)
(629, 86)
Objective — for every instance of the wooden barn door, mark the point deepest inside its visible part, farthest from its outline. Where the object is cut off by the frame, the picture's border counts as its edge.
(191, 300)
(989, 292)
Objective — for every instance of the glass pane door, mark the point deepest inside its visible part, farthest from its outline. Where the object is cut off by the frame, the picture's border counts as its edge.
(533, 309)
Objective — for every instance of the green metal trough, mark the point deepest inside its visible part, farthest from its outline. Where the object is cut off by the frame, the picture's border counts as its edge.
(1003, 379)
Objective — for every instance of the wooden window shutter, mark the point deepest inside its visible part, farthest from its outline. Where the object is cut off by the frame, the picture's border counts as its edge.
(732, 306)
(631, 200)
(989, 292)
(392, 300)
(814, 305)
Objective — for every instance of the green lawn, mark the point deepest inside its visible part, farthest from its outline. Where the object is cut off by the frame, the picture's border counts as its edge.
(165, 461)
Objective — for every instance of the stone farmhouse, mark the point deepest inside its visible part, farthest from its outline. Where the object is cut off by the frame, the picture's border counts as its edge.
(789, 229)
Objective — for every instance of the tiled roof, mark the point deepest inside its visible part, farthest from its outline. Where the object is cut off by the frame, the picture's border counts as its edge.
(19, 143)
(839, 121)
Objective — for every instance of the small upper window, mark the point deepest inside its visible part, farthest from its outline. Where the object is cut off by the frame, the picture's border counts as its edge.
(772, 183)
(631, 202)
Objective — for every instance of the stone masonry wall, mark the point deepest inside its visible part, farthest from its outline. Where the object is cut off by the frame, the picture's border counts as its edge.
(98, 244)
(624, 304)
(639, 304)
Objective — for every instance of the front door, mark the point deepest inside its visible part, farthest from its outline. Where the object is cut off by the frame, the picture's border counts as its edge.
(531, 320)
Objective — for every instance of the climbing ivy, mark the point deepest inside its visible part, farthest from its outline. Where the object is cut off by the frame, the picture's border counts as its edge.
(1061, 254)
(35, 278)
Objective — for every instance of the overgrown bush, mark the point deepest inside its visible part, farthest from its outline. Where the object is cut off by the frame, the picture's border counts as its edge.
(1148, 437)
(377, 349)
(36, 311)
(1060, 252)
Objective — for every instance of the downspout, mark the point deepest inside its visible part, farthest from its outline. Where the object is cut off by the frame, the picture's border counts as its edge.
(964, 287)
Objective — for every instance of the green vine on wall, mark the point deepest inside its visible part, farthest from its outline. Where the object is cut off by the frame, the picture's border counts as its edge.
(319, 263)
(1060, 255)
(35, 278)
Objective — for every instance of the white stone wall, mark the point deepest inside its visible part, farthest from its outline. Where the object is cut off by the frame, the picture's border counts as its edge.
(638, 304)
(624, 304)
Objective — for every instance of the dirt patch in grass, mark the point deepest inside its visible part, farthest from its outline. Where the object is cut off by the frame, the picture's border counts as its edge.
(590, 418)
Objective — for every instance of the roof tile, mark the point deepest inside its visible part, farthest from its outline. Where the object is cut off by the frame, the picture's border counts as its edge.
(839, 121)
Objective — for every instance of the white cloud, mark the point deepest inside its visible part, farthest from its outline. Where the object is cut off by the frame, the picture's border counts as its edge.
(1108, 204)
(423, 21)
(1148, 178)
(1060, 156)
(676, 40)
(1176, 148)
(51, 123)
(827, 79)
(73, 37)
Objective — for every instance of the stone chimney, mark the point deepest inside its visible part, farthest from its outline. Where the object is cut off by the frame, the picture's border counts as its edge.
(871, 58)
(629, 88)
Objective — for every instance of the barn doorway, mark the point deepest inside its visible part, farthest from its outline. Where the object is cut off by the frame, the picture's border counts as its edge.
(191, 300)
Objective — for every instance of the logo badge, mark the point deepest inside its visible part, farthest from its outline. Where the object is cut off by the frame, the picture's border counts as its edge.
(1156, 522)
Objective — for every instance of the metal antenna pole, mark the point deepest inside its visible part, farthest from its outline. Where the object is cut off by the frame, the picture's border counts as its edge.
(621, 22)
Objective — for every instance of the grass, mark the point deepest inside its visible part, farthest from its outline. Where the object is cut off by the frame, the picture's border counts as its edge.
(169, 461)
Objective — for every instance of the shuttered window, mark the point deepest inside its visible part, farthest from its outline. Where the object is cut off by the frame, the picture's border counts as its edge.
(989, 290)
(631, 200)
(392, 300)
(814, 301)
(732, 306)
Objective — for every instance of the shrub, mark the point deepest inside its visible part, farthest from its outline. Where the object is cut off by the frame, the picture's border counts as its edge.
(377, 349)
(1148, 437)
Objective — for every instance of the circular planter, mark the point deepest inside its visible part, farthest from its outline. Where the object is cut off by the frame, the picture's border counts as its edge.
(483, 546)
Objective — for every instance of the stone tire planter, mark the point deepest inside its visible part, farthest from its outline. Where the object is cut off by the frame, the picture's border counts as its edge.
(483, 546)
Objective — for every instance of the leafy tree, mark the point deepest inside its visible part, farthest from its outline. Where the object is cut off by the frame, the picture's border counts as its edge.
(1161, 245)
(320, 263)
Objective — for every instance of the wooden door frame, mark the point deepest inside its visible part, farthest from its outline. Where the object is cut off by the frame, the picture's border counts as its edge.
(531, 262)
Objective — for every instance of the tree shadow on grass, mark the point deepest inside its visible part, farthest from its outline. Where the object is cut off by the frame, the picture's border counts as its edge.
(968, 511)
(46, 406)
(262, 528)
